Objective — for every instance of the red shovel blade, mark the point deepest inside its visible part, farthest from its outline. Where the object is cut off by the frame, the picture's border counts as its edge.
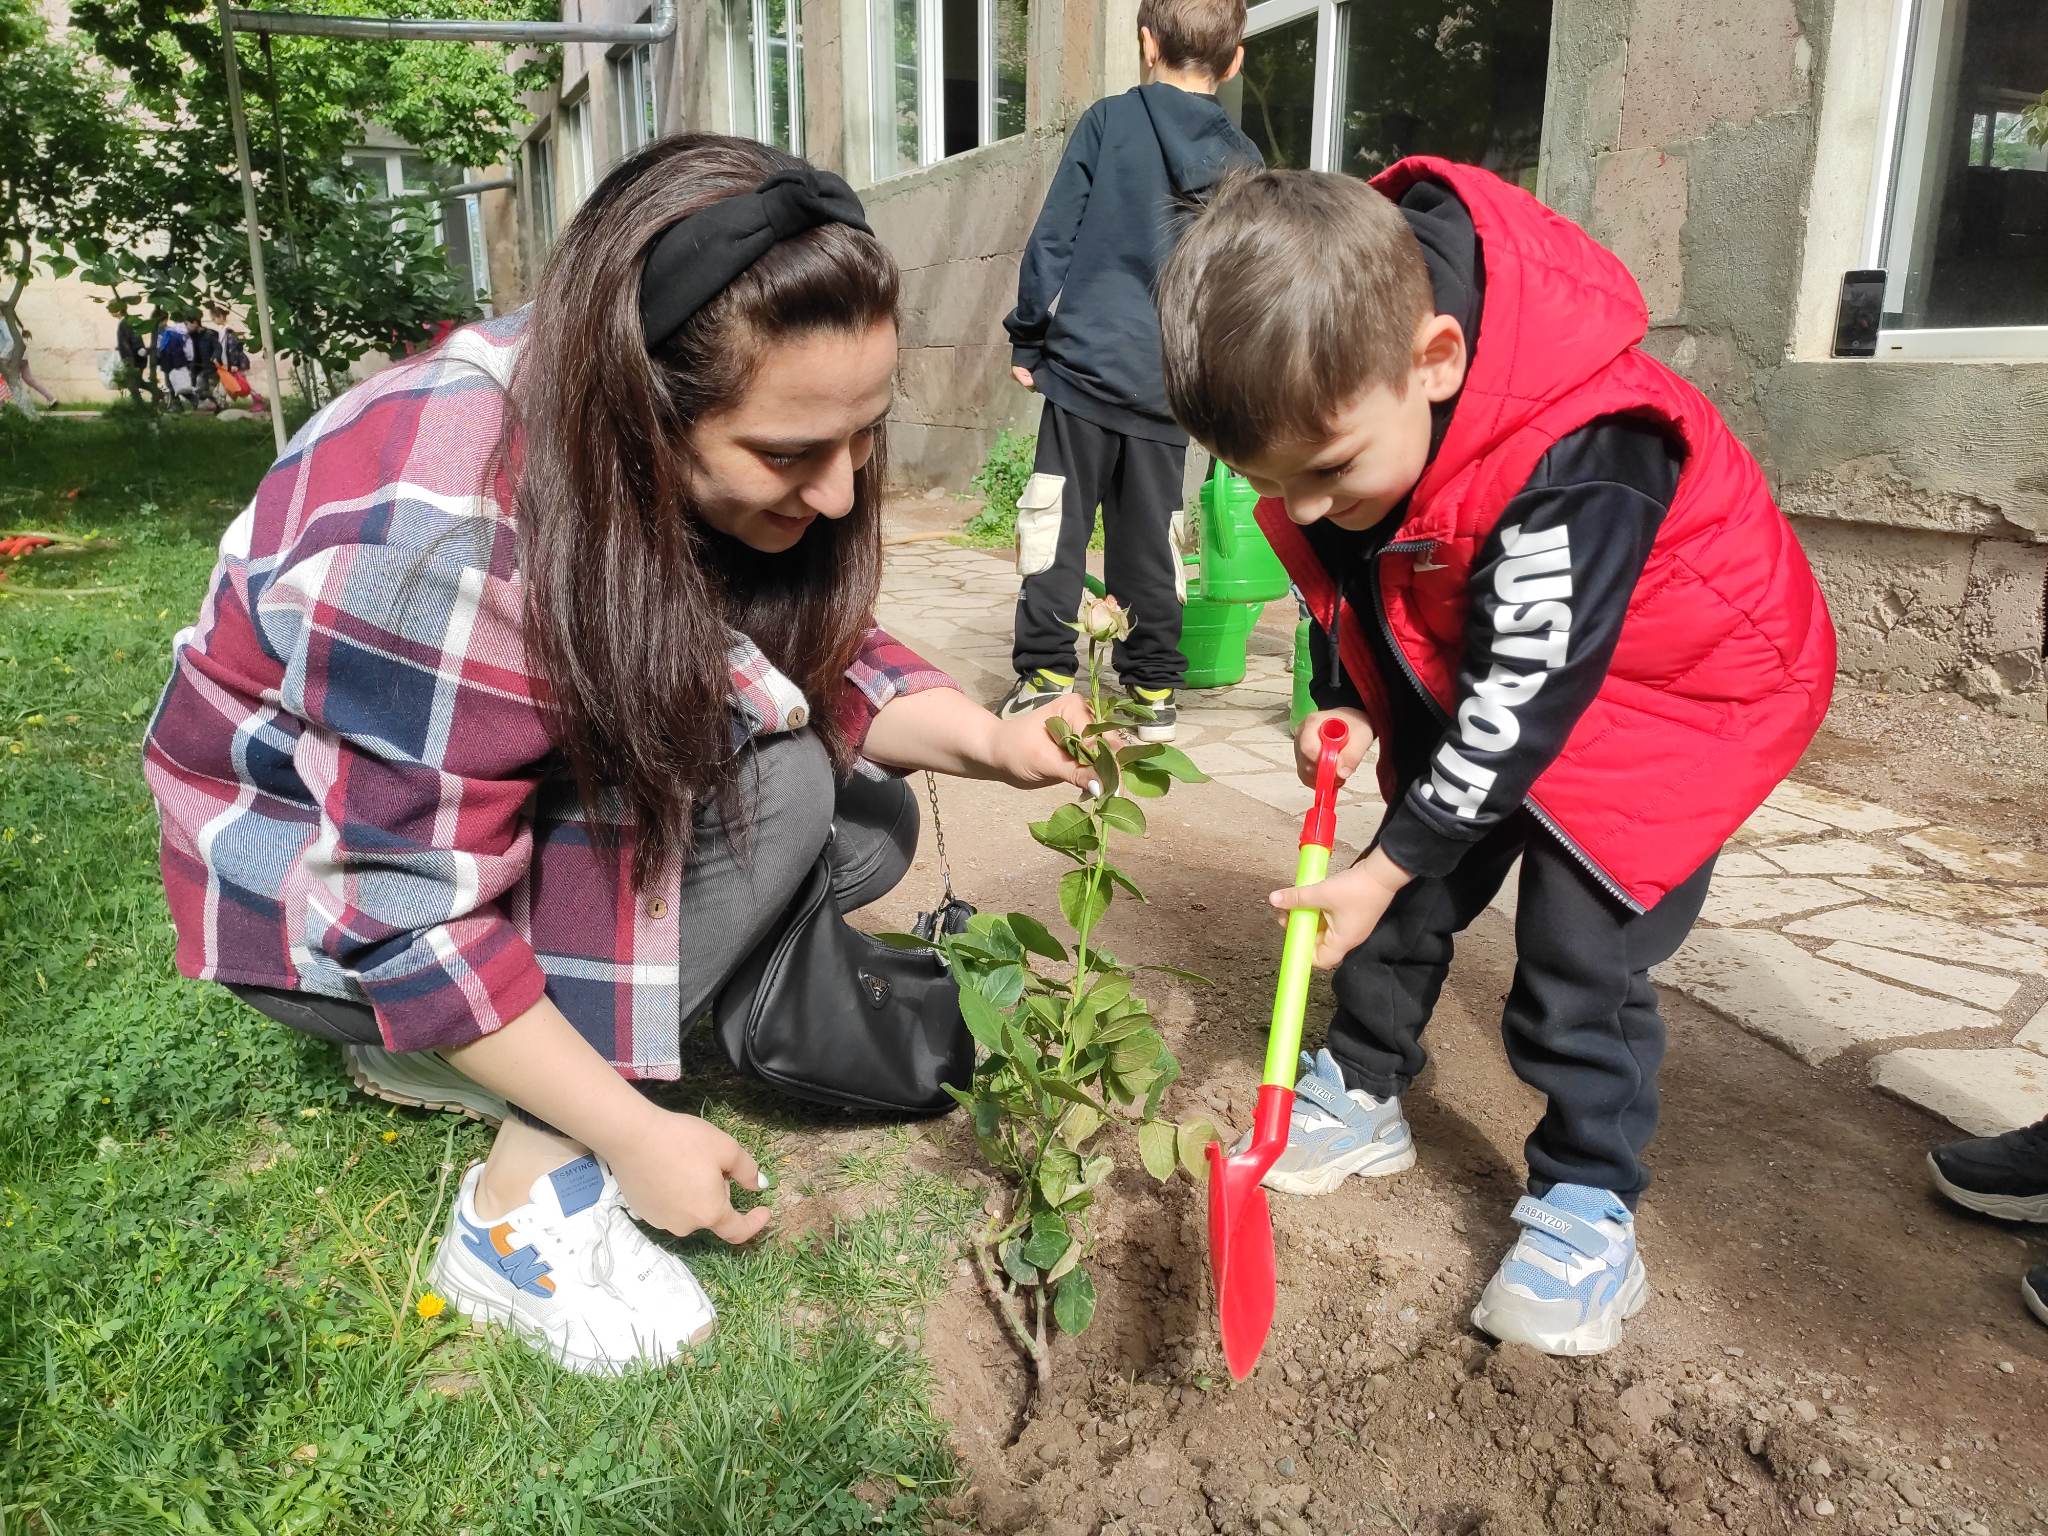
(1241, 1234)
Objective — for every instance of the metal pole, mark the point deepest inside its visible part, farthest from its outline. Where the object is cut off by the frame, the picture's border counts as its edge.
(400, 29)
(241, 127)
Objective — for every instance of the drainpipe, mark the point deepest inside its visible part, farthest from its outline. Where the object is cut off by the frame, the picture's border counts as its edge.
(659, 28)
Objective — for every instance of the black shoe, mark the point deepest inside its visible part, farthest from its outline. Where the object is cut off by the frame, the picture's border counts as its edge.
(2034, 1291)
(2004, 1176)
(1165, 718)
(1029, 693)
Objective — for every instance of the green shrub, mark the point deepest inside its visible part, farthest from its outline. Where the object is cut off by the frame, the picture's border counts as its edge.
(999, 482)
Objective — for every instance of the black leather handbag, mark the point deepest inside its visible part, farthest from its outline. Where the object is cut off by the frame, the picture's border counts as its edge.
(823, 1012)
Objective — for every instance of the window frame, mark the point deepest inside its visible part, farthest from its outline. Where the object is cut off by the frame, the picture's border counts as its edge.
(931, 85)
(540, 186)
(1333, 19)
(756, 70)
(636, 100)
(1913, 23)
(574, 128)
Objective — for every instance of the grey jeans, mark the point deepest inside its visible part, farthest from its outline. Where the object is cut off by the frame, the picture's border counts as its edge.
(734, 892)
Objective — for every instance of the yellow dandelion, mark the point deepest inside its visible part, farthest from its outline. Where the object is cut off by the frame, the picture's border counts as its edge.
(391, 1136)
(431, 1306)
(105, 1100)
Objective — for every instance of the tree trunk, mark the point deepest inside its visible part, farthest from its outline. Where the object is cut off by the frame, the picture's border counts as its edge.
(16, 355)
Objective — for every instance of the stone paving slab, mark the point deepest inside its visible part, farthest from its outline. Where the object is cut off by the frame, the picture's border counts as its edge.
(1824, 805)
(1917, 934)
(1839, 856)
(1960, 900)
(1812, 1007)
(1986, 1093)
(1771, 825)
(1973, 858)
(1952, 981)
(1738, 902)
(2035, 1036)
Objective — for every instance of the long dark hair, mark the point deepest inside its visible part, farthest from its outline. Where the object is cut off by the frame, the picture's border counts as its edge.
(631, 598)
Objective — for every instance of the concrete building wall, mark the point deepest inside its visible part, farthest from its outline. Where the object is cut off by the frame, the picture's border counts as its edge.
(1726, 152)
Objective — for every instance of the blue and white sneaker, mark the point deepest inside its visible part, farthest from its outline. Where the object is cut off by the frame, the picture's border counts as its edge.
(1572, 1278)
(1336, 1132)
(571, 1274)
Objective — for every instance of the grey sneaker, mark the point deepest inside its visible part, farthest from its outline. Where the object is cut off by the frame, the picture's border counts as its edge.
(1337, 1132)
(2034, 1291)
(421, 1080)
(1164, 717)
(1028, 693)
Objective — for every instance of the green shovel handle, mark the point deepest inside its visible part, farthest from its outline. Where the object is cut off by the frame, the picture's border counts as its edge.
(1297, 957)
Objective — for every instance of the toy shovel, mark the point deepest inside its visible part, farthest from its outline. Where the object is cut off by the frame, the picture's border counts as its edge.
(1240, 1221)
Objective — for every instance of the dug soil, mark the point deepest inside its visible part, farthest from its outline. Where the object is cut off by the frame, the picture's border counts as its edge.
(1827, 1346)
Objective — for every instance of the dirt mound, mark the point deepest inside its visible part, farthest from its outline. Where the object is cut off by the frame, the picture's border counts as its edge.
(1375, 1409)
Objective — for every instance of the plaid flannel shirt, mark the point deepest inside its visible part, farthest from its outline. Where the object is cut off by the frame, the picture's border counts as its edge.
(354, 778)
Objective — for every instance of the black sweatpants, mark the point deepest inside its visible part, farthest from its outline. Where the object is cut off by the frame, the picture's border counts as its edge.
(1581, 1023)
(1137, 483)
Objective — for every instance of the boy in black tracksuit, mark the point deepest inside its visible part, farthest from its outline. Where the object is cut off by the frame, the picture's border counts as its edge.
(1085, 335)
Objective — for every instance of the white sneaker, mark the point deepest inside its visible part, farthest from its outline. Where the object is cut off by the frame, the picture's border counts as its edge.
(572, 1275)
(420, 1080)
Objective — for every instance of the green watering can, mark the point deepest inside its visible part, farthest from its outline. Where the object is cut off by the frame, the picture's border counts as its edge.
(1238, 565)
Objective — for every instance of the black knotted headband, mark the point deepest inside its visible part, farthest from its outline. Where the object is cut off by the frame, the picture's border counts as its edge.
(692, 261)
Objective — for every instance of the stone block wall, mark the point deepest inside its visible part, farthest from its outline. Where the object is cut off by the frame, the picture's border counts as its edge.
(1724, 152)
(958, 229)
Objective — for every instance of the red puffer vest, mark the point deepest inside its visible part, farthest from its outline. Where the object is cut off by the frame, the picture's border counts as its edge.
(1727, 657)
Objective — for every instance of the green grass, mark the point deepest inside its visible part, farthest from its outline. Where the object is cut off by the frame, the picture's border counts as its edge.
(209, 1246)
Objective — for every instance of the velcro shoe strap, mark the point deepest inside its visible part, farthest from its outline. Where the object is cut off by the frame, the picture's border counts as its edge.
(1574, 1232)
(1326, 1096)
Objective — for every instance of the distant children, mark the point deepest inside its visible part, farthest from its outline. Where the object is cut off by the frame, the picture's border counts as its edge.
(1552, 584)
(1085, 335)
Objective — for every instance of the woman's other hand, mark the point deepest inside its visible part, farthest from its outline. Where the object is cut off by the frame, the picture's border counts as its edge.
(677, 1172)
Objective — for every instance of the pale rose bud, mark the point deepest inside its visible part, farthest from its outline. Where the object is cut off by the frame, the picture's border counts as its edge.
(1103, 618)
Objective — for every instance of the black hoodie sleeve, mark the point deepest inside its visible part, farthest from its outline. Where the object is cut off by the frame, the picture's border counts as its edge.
(1548, 593)
(1044, 270)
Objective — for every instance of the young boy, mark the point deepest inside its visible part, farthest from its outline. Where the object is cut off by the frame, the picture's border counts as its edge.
(1085, 335)
(1555, 587)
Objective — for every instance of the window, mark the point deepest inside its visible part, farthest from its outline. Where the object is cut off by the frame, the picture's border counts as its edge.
(765, 65)
(633, 97)
(1354, 86)
(385, 172)
(540, 188)
(948, 77)
(577, 160)
(1960, 208)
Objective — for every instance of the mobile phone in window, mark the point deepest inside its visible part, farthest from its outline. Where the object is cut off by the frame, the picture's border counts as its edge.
(1856, 317)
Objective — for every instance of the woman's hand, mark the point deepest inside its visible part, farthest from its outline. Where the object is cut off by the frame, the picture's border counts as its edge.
(1308, 750)
(676, 1171)
(1352, 904)
(1023, 376)
(1022, 751)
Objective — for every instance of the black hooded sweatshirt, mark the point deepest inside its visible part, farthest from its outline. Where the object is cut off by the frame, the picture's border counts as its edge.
(1085, 322)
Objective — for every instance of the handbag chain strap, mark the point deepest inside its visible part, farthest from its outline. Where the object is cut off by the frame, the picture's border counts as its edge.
(931, 789)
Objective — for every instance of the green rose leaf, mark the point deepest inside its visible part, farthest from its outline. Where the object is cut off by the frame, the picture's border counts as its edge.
(1015, 1265)
(1059, 1174)
(1078, 1124)
(1036, 937)
(984, 1021)
(1146, 782)
(1173, 761)
(1049, 1240)
(1083, 900)
(1156, 1147)
(1124, 815)
(1191, 1141)
(1073, 1302)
